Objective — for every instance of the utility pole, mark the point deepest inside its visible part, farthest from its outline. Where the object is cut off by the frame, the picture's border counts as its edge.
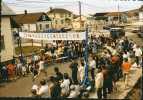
(118, 14)
(80, 12)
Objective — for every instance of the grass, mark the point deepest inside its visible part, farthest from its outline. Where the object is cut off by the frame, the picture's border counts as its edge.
(27, 49)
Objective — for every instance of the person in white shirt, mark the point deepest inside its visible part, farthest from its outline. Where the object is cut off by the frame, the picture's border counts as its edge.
(74, 91)
(138, 54)
(44, 89)
(36, 58)
(23, 70)
(92, 65)
(35, 87)
(65, 85)
(126, 55)
(19, 68)
(41, 67)
(99, 83)
(81, 70)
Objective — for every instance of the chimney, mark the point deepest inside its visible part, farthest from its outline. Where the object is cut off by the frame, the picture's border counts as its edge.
(25, 11)
(51, 8)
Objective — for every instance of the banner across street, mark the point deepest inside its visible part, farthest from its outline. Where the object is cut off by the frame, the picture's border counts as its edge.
(53, 36)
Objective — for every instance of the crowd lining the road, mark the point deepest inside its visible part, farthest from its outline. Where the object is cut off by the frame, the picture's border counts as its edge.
(109, 61)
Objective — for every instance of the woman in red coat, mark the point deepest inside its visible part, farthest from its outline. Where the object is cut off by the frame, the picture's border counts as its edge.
(11, 71)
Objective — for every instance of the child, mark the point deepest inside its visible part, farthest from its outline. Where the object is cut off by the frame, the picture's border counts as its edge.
(23, 70)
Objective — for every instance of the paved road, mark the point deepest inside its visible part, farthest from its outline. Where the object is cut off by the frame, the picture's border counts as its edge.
(22, 86)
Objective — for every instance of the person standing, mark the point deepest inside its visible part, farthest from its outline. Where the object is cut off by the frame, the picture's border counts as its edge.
(99, 83)
(59, 75)
(92, 64)
(81, 70)
(55, 89)
(138, 54)
(19, 68)
(74, 70)
(11, 71)
(4, 73)
(65, 85)
(107, 83)
(126, 68)
(42, 67)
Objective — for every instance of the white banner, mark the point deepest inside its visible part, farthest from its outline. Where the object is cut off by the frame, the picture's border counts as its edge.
(53, 36)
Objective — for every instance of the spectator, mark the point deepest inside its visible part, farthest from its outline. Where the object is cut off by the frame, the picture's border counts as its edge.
(59, 75)
(65, 86)
(106, 83)
(138, 54)
(4, 73)
(44, 89)
(126, 68)
(19, 68)
(33, 93)
(99, 83)
(23, 70)
(42, 67)
(74, 91)
(55, 90)
(92, 64)
(11, 71)
(81, 70)
(74, 69)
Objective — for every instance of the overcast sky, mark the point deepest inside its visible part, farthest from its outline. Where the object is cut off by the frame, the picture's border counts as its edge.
(88, 6)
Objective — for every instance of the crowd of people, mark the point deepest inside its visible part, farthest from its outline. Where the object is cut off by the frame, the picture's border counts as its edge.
(109, 60)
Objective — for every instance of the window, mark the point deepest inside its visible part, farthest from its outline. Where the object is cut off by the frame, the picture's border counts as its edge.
(69, 15)
(2, 46)
(61, 15)
(40, 26)
(56, 22)
(44, 17)
(62, 22)
(47, 25)
(65, 15)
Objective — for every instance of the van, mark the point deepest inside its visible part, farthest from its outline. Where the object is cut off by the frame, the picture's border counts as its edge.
(117, 32)
(140, 33)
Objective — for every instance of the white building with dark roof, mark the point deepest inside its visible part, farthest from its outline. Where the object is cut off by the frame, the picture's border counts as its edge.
(60, 18)
(6, 37)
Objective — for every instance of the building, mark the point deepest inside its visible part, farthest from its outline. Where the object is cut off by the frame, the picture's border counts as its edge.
(141, 13)
(60, 18)
(115, 17)
(6, 38)
(33, 22)
(79, 24)
(100, 20)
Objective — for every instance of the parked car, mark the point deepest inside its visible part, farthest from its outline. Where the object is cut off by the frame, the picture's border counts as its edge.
(135, 31)
(117, 32)
(65, 29)
(108, 27)
(140, 34)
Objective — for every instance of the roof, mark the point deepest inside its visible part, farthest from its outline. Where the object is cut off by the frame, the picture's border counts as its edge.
(6, 11)
(116, 28)
(100, 14)
(29, 17)
(114, 13)
(59, 10)
(83, 18)
(141, 8)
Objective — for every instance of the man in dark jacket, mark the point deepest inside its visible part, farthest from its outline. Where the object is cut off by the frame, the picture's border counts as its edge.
(59, 75)
(74, 70)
